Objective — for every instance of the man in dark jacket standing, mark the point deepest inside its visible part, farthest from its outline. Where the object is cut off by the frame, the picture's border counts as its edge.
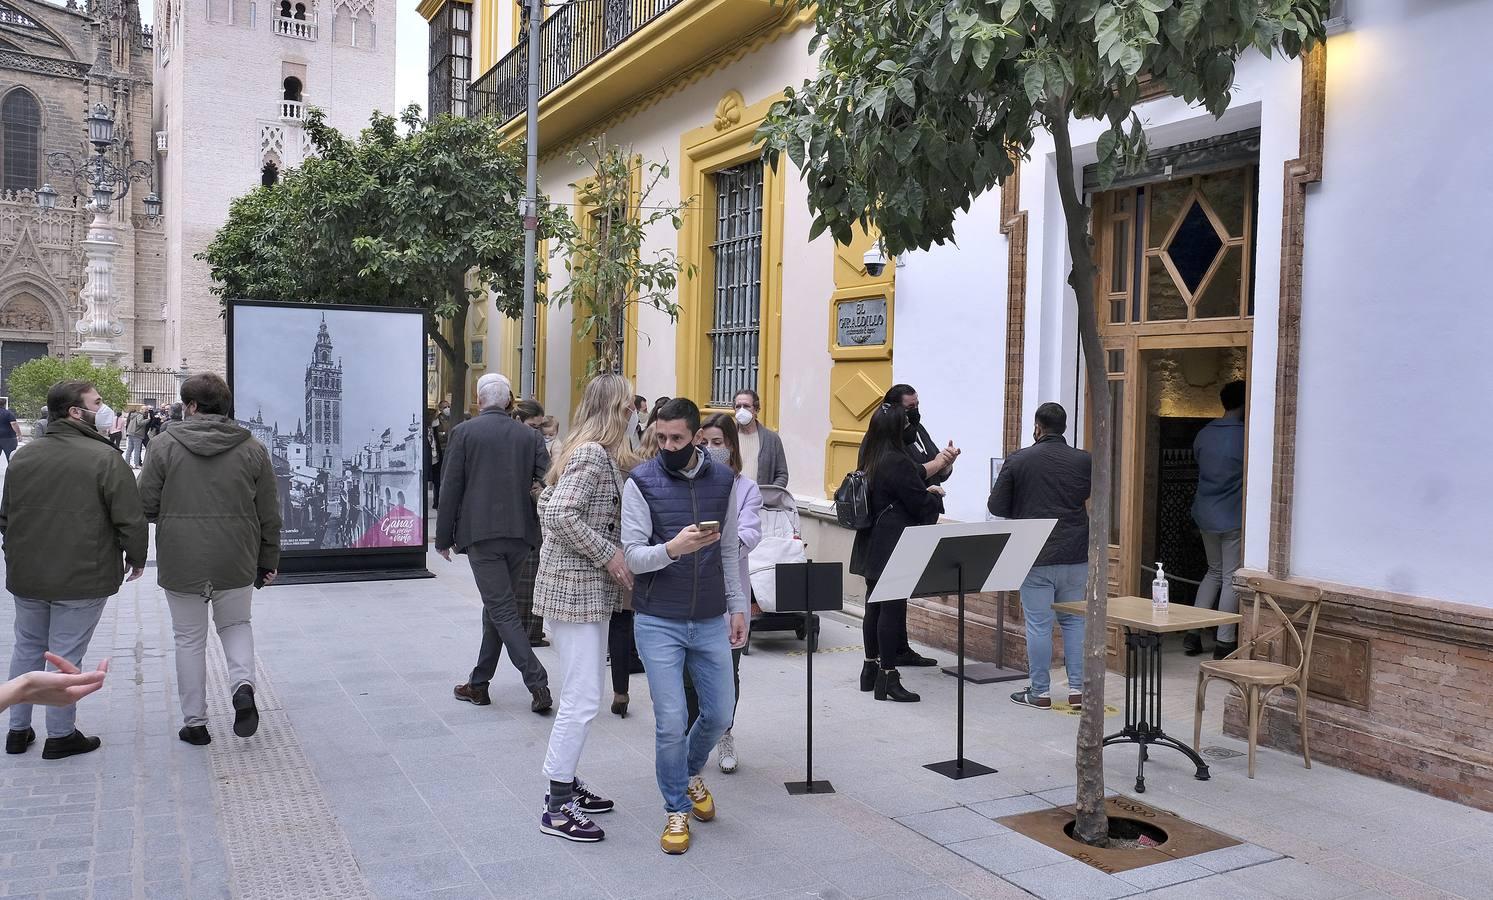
(1050, 480)
(491, 467)
(70, 512)
(210, 489)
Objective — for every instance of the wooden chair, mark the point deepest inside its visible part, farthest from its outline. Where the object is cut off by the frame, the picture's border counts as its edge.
(1256, 679)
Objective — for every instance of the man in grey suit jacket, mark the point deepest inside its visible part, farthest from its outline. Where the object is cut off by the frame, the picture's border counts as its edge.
(490, 470)
(770, 463)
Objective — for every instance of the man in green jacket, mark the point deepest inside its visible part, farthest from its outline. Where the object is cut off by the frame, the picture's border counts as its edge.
(72, 523)
(210, 488)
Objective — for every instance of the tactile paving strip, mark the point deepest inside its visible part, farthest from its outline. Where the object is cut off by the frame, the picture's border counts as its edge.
(283, 841)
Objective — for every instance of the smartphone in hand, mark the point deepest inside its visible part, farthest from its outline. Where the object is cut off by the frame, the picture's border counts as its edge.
(709, 527)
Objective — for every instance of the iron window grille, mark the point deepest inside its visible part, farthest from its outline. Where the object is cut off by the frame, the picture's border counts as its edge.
(735, 335)
(450, 59)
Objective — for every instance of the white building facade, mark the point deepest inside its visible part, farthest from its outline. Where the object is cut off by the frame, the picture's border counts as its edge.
(234, 81)
(1317, 241)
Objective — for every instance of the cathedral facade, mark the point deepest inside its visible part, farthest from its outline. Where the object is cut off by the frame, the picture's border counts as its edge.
(56, 64)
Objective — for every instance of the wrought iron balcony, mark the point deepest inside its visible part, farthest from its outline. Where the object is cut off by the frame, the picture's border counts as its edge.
(572, 38)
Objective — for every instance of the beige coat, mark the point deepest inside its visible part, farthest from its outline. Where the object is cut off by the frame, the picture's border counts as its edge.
(581, 515)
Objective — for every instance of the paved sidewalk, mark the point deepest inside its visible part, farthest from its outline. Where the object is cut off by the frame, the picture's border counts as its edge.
(368, 779)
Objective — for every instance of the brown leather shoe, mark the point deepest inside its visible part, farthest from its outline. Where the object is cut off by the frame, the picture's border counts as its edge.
(1075, 700)
(472, 693)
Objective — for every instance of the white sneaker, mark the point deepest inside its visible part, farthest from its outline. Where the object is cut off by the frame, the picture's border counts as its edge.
(727, 759)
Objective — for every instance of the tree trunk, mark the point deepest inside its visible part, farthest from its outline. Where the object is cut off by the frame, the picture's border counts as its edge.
(1092, 826)
(455, 353)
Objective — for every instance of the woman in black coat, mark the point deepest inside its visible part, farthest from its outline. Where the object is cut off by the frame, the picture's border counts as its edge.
(898, 497)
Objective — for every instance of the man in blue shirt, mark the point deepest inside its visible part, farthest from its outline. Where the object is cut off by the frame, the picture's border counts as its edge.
(1218, 510)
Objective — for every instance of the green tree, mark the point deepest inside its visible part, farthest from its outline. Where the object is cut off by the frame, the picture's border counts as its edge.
(608, 276)
(426, 217)
(30, 382)
(921, 105)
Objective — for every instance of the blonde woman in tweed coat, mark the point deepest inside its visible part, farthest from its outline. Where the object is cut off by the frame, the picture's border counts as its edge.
(582, 575)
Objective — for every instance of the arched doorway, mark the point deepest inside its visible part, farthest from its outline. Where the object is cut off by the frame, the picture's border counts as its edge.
(27, 331)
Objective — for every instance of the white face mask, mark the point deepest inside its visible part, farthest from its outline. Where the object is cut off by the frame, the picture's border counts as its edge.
(744, 416)
(632, 422)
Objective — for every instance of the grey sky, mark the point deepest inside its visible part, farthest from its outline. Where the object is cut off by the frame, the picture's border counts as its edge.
(382, 364)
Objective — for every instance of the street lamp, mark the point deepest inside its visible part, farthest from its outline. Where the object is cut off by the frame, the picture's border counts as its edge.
(102, 180)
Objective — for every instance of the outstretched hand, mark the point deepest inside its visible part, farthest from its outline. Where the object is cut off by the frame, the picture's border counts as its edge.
(64, 687)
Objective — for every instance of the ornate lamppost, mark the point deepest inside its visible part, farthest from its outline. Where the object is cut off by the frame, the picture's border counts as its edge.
(103, 181)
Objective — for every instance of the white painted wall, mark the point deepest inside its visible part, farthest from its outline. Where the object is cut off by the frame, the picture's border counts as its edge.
(1392, 482)
(950, 344)
(655, 133)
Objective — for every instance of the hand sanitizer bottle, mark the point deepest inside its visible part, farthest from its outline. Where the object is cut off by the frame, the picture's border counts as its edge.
(1160, 596)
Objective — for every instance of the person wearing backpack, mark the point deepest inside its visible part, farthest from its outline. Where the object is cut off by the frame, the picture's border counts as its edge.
(896, 496)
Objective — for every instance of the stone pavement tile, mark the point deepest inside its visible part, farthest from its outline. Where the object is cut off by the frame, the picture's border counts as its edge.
(1071, 880)
(643, 873)
(1370, 876)
(538, 878)
(1229, 886)
(760, 873)
(1010, 806)
(1470, 876)
(460, 892)
(1292, 878)
(928, 892)
(1236, 857)
(405, 876)
(874, 874)
(896, 798)
(1164, 874)
(1009, 852)
(948, 826)
(983, 885)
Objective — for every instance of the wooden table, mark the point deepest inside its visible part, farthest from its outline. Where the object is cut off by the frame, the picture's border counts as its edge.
(1143, 630)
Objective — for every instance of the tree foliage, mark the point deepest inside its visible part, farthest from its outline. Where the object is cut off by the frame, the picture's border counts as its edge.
(922, 105)
(426, 217)
(30, 382)
(608, 276)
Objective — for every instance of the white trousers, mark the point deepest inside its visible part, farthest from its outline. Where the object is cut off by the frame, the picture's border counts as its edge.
(189, 620)
(582, 649)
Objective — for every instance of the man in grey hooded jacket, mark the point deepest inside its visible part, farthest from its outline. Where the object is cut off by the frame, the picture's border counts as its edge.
(210, 489)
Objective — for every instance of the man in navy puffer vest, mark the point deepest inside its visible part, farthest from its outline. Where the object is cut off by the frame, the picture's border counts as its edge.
(688, 581)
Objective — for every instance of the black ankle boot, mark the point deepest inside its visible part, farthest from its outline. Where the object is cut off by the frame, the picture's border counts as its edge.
(868, 676)
(889, 687)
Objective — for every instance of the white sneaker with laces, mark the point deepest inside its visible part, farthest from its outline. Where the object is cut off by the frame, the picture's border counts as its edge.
(727, 747)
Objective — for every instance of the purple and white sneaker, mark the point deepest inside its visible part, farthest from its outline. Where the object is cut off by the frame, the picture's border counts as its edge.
(571, 824)
(590, 802)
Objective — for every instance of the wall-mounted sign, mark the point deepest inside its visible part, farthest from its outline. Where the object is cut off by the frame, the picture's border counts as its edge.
(862, 322)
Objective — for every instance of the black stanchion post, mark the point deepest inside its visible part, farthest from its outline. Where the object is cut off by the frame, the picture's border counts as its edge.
(808, 785)
(959, 767)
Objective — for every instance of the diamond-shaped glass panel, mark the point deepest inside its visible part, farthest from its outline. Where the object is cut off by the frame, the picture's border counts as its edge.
(1194, 247)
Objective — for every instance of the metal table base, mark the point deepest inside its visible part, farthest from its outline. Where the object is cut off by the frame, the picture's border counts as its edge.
(1143, 705)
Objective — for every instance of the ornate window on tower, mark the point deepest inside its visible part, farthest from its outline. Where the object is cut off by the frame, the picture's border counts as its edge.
(450, 58)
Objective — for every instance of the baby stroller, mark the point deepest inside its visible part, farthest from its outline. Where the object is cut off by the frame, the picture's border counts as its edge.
(781, 543)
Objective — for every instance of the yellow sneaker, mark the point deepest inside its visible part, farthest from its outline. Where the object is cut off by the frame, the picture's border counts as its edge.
(699, 795)
(676, 834)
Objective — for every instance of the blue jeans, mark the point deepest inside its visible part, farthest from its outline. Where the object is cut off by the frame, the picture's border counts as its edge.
(669, 647)
(1044, 586)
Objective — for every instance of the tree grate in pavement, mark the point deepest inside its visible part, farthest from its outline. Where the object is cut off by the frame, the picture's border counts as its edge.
(283, 841)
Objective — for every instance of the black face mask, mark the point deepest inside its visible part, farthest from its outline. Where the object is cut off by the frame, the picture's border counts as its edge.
(677, 460)
(914, 418)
